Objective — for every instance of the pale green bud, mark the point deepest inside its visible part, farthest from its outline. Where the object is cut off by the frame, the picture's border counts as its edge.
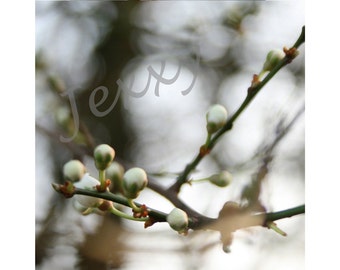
(88, 182)
(103, 156)
(115, 172)
(134, 181)
(73, 170)
(178, 220)
(273, 57)
(216, 118)
(221, 179)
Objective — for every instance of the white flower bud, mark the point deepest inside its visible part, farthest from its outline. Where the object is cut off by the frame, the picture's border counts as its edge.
(273, 57)
(103, 156)
(73, 170)
(90, 183)
(216, 118)
(134, 181)
(178, 220)
(115, 172)
(221, 179)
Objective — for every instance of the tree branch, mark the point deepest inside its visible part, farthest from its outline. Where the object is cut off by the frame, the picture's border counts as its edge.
(195, 219)
(252, 92)
(285, 213)
(199, 222)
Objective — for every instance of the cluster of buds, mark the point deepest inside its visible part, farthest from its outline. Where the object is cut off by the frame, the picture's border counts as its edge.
(129, 183)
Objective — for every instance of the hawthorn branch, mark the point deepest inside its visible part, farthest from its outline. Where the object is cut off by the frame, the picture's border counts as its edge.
(253, 90)
(195, 219)
(285, 213)
(196, 223)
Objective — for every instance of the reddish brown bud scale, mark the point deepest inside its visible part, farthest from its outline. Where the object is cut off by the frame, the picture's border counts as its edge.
(290, 53)
(204, 150)
(105, 205)
(141, 213)
(103, 189)
(149, 222)
(67, 189)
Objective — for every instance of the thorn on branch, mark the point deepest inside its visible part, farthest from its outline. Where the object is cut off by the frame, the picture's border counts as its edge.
(273, 226)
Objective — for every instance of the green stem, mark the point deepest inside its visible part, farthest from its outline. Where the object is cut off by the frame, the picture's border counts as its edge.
(194, 223)
(207, 141)
(116, 212)
(161, 216)
(266, 219)
(133, 205)
(155, 214)
(102, 179)
(285, 213)
(252, 92)
(199, 180)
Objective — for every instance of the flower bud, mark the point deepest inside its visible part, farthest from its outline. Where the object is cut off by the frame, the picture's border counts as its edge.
(73, 170)
(134, 181)
(216, 118)
(221, 179)
(90, 183)
(115, 172)
(273, 57)
(103, 156)
(178, 220)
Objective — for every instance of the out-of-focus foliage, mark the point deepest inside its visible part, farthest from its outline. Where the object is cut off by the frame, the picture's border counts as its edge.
(82, 46)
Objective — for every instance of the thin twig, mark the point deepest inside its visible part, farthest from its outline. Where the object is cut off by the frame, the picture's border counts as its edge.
(285, 213)
(160, 216)
(252, 92)
(252, 191)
